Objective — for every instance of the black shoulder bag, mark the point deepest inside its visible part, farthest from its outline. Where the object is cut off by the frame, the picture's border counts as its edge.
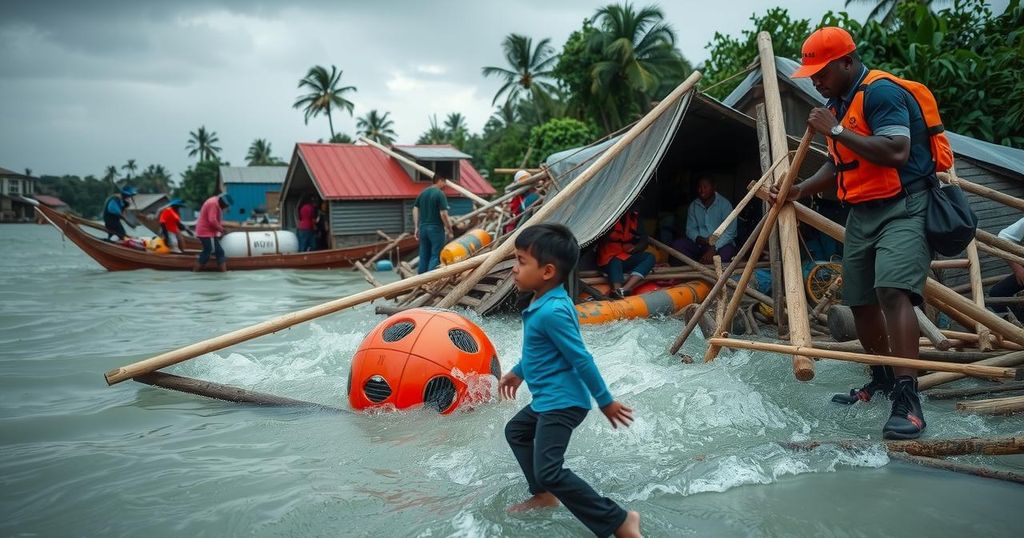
(950, 223)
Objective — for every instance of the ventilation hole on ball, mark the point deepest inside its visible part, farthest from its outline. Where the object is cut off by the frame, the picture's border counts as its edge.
(439, 394)
(398, 331)
(463, 340)
(495, 367)
(376, 389)
(348, 384)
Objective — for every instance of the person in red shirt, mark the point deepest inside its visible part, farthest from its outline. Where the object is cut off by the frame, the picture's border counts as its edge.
(307, 224)
(170, 225)
(209, 229)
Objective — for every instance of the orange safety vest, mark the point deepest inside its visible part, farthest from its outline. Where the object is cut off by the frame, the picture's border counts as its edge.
(860, 180)
(616, 243)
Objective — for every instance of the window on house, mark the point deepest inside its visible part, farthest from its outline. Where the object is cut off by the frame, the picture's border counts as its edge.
(14, 186)
(448, 169)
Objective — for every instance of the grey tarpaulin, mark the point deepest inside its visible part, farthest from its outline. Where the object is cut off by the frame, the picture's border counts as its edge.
(596, 207)
(1006, 158)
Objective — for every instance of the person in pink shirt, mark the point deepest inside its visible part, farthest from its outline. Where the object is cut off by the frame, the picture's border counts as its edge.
(307, 224)
(209, 229)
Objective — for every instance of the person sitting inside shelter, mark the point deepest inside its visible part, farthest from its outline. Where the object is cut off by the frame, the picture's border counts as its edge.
(170, 225)
(704, 216)
(623, 249)
(114, 212)
(1014, 282)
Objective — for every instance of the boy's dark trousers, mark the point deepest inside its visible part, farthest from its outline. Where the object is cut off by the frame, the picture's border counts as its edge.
(538, 441)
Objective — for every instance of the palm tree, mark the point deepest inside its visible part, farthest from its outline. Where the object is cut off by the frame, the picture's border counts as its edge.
(324, 94)
(111, 175)
(201, 143)
(530, 68)
(28, 172)
(456, 123)
(341, 138)
(638, 50)
(435, 134)
(130, 166)
(155, 178)
(506, 115)
(260, 153)
(377, 127)
(885, 10)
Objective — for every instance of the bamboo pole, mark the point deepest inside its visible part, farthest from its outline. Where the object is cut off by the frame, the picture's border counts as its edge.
(951, 264)
(719, 285)
(954, 314)
(998, 242)
(960, 446)
(493, 204)
(510, 171)
(987, 281)
(931, 332)
(804, 371)
(372, 280)
(764, 151)
(720, 307)
(978, 294)
(962, 357)
(985, 192)
(973, 370)
(278, 323)
(705, 270)
(789, 235)
(1000, 253)
(507, 247)
(735, 213)
(973, 339)
(218, 391)
(952, 394)
(425, 171)
(387, 248)
(939, 378)
(993, 406)
(933, 289)
(958, 467)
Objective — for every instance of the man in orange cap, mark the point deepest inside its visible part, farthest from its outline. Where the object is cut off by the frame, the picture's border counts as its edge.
(882, 167)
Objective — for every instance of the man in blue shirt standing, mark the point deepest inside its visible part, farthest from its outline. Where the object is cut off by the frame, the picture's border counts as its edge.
(562, 376)
(114, 212)
(704, 216)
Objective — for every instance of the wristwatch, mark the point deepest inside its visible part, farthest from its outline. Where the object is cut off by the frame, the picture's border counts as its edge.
(836, 131)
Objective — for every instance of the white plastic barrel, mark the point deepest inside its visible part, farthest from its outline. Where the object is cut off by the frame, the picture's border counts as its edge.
(260, 243)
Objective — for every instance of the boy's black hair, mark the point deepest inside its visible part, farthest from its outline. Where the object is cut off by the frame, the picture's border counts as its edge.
(551, 243)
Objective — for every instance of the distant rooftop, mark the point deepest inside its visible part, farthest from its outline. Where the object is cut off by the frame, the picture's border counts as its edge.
(439, 152)
(253, 174)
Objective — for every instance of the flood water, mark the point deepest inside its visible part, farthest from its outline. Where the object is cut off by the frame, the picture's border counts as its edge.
(79, 458)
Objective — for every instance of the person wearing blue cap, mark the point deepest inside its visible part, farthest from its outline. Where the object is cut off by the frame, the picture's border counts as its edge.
(170, 225)
(209, 230)
(114, 209)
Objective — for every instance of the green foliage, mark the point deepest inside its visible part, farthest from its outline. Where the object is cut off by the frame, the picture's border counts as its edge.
(199, 182)
(260, 154)
(153, 179)
(324, 94)
(85, 195)
(377, 127)
(340, 138)
(202, 143)
(730, 55)
(528, 71)
(560, 134)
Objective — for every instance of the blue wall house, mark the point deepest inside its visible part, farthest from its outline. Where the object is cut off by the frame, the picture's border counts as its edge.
(254, 189)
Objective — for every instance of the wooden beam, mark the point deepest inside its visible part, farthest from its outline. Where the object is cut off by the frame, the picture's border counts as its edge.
(980, 190)
(940, 378)
(931, 332)
(960, 446)
(1000, 253)
(217, 391)
(735, 213)
(506, 248)
(998, 242)
(424, 170)
(978, 294)
(705, 270)
(952, 394)
(959, 467)
(951, 264)
(993, 406)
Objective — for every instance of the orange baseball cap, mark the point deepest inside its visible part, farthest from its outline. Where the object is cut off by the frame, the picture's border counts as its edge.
(821, 47)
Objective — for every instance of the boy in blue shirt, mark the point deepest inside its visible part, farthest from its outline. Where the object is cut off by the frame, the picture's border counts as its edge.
(562, 377)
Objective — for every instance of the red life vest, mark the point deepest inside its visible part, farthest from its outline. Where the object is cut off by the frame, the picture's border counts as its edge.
(860, 180)
(618, 242)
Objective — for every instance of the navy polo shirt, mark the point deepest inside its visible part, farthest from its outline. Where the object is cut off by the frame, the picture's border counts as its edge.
(892, 111)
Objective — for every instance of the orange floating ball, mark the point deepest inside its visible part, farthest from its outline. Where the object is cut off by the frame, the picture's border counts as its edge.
(426, 357)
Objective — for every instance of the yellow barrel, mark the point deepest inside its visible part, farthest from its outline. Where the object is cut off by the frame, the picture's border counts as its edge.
(656, 303)
(465, 246)
(157, 245)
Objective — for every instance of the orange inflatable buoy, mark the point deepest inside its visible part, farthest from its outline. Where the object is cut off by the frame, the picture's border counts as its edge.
(157, 245)
(426, 357)
(656, 303)
(465, 246)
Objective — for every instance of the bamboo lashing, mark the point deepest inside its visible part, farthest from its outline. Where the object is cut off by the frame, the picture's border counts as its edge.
(735, 213)
(507, 247)
(788, 227)
(755, 251)
(973, 370)
(718, 287)
(933, 289)
(425, 171)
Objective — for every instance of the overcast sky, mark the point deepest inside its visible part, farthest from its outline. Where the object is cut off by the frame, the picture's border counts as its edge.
(85, 84)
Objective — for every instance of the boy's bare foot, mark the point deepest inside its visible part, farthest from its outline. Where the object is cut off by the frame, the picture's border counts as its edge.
(540, 500)
(631, 527)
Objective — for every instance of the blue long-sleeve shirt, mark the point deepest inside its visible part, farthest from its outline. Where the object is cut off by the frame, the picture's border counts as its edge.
(702, 221)
(556, 365)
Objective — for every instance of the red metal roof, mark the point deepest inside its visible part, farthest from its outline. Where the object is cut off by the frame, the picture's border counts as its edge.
(51, 201)
(346, 171)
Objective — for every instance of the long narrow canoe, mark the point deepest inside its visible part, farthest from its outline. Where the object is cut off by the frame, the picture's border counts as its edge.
(115, 257)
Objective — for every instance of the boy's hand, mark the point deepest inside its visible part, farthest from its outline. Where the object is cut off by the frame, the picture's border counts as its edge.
(618, 414)
(508, 386)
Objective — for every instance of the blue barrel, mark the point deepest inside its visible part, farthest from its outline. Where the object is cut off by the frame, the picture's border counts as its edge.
(384, 265)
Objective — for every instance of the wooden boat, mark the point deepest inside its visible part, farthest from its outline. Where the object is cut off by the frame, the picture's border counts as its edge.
(152, 223)
(115, 257)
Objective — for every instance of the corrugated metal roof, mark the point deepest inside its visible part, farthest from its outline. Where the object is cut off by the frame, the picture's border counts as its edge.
(142, 202)
(51, 201)
(1007, 158)
(433, 152)
(346, 171)
(253, 174)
